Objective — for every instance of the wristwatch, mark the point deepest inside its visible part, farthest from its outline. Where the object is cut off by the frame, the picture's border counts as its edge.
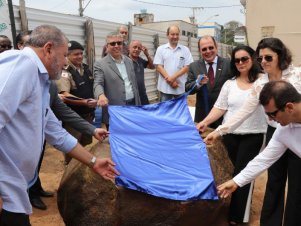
(92, 162)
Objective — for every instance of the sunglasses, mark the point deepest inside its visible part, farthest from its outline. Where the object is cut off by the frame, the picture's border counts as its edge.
(6, 46)
(123, 33)
(242, 60)
(114, 43)
(267, 58)
(274, 113)
(205, 49)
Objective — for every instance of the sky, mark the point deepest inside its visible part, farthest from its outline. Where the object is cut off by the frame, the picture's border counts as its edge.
(122, 11)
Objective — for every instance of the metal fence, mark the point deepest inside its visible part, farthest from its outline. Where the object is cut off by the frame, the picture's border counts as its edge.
(75, 28)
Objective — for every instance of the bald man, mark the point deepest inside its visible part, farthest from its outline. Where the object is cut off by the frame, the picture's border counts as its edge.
(172, 61)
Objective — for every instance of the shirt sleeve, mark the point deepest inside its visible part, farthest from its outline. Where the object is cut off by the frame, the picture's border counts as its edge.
(158, 59)
(261, 162)
(222, 100)
(57, 136)
(188, 57)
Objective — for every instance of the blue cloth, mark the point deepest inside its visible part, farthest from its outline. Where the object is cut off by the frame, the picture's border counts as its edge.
(25, 120)
(158, 150)
(98, 117)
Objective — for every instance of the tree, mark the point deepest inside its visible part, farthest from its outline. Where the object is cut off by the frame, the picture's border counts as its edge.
(228, 32)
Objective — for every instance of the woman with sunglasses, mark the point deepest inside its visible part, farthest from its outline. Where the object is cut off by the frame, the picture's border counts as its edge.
(275, 59)
(245, 142)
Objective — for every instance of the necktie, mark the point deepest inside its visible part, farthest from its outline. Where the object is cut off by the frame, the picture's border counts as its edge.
(211, 74)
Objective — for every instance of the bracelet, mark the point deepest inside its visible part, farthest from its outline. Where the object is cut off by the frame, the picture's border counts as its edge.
(92, 162)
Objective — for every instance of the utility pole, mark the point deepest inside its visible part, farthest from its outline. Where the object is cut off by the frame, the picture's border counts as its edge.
(81, 9)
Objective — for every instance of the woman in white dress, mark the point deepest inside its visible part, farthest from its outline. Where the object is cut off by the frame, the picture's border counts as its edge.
(275, 59)
(244, 143)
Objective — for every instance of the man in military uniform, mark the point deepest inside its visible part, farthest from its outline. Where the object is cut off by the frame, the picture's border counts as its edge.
(76, 89)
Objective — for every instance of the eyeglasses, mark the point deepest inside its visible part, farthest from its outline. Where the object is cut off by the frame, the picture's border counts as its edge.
(205, 49)
(267, 58)
(274, 113)
(6, 46)
(123, 33)
(242, 60)
(114, 43)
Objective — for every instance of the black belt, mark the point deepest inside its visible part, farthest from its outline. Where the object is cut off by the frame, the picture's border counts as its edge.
(130, 101)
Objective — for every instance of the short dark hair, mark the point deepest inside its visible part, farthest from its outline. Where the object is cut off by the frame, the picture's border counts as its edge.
(206, 37)
(277, 46)
(4, 36)
(255, 69)
(281, 91)
(21, 35)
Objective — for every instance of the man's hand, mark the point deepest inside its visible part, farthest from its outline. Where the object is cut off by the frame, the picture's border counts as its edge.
(105, 168)
(145, 51)
(170, 79)
(91, 103)
(102, 101)
(211, 137)
(225, 189)
(201, 126)
(204, 80)
(100, 134)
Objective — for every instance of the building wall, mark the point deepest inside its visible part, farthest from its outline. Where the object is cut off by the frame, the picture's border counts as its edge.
(185, 27)
(275, 18)
(210, 28)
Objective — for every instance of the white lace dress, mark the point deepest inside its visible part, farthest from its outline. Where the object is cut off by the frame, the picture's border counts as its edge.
(291, 75)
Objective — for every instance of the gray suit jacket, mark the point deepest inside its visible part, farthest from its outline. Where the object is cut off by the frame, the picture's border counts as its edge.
(108, 81)
(223, 73)
(66, 114)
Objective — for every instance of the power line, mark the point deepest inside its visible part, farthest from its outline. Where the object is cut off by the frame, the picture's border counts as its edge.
(188, 7)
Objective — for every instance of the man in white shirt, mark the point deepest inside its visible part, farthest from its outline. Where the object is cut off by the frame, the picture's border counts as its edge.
(172, 61)
(282, 103)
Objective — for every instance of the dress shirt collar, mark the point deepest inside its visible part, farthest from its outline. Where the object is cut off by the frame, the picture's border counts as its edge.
(214, 61)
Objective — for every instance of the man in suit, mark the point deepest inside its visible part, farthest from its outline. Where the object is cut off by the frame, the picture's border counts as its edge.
(216, 71)
(114, 77)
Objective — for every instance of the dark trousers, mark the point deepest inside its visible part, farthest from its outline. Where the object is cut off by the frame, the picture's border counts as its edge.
(241, 150)
(287, 167)
(34, 190)
(13, 219)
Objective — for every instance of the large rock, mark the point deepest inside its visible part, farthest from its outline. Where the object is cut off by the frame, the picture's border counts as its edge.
(85, 199)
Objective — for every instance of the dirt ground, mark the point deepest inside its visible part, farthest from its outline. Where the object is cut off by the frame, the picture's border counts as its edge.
(52, 171)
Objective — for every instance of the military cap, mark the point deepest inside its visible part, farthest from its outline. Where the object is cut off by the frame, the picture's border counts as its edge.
(72, 45)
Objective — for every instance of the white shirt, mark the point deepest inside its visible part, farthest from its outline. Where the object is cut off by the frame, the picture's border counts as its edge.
(129, 94)
(231, 98)
(291, 75)
(172, 60)
(284, 137)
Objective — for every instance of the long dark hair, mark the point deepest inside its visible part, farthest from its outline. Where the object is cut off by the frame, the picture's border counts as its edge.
(277, 46)
(255, 69)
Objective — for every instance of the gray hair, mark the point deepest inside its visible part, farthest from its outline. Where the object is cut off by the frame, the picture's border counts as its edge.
(46, 33)
(113, 34)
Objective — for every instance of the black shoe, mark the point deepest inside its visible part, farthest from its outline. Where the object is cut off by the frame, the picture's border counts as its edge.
(38, 203)
(46, 194)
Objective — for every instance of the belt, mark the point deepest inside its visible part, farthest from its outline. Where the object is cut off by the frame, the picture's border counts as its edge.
(130, 101)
